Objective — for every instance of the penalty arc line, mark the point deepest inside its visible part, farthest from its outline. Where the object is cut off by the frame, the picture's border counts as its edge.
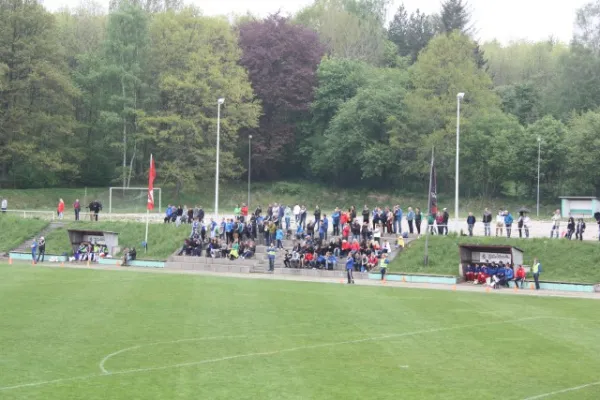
(266, 353)
(567, 390)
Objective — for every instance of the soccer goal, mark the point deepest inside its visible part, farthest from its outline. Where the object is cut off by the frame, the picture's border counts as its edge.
(132, 200)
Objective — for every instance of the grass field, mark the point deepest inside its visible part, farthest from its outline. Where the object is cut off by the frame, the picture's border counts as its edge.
(15, 230)
(163, 239)
(81, 334)
(231, 194)
(562, 260)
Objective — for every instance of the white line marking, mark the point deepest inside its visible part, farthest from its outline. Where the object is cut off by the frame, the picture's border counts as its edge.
(266, 353)
(541, 396)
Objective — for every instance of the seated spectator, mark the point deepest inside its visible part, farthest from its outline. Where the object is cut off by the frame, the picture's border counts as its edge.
(386, 248)
(520, 277)
(234, 252)
(308, 261)
(321, 261)
(508, 276)
(470, 274)
(287, 258)
(355, 247)
(331, 261)
(364, 262)
(296, 261)
(372, 261)
(400, 242)
(346, 248)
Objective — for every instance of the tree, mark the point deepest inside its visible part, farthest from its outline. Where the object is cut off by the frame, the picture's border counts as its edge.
(357, 142)
(587, 27)
(281, 59)
(126, 52)
(348, 29)
(455, 16)
(36, 94)
(410, 34)
(444, 68)
(197, 61)
(584, 147)
(521, 100)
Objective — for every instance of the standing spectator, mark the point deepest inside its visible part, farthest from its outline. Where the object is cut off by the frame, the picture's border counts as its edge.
(95, 206)
(445, 221)
(439, 221)
(499, 222)
(41, 249)
(303, 216)
(279, 238)
(190, 215)
(508, 220)
(410, 216)
(349, 268)
(60, 209)
(570, 227)
(383, 264)
(271, 254)
(288, 216)
(526, 225)
(555, 224)
(580, 229)
(520, 223)
(33, 250)
(431, 223)
(178, 215)
(471, 223)
(297, 213)
(325, 225)
(200, 214)
(365, 214)
(4, 205)
(237, 211)
(244, 212)
(397, 220)
(317, 215)
(536, 269)
(77, 209)
(487, 220)
(335, 220)
(418, 220)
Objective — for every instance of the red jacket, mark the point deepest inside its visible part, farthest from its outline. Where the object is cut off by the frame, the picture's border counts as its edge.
(346, 231)
(61, 207)
(245, 211)
(521, 273)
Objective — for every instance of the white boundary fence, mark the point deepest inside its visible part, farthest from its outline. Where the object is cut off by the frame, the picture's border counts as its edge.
(110, 195)
(85, 216)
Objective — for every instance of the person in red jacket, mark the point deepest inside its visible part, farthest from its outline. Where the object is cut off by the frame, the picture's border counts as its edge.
(520, 276)
(60, 210)
(244, 212)
(346, 231)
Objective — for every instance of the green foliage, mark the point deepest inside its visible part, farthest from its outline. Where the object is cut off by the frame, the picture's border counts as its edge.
(563, 260)
(584, 147)
(15, 230)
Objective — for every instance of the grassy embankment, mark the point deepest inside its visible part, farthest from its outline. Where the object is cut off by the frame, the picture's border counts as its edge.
(309, 194)
(562, 260)
(15, 230)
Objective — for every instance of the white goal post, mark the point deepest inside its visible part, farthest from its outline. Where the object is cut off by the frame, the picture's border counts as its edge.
(110, 195)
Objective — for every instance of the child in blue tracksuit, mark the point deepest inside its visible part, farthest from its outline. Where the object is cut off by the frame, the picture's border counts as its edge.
(349, 268)
(331, 261)
(34, 246)
(279, 237)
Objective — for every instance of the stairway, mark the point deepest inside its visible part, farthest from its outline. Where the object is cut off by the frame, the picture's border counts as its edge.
(25, 247)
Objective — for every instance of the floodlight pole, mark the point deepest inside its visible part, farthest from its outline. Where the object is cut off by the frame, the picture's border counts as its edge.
(459, 97)
(219, 102)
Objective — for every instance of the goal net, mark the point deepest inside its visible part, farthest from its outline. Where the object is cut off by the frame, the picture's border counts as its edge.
(132, 200)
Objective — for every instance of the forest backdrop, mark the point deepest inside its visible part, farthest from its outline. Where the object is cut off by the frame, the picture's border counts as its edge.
(334, 94)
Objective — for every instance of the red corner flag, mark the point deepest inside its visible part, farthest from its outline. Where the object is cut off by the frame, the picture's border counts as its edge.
(151, 176)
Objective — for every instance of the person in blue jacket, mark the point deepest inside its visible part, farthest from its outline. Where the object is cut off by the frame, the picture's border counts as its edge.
(299, 232)
(349, 268)
(324, 227)
(335, 220)
(279, 237)
(509, 274)
(331, 261)
(508, 220)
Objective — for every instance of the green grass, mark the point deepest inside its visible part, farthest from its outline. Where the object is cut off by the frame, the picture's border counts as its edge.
(192, 337)
(230, 194)
(15, 230)
(562, 260)
(163, 239)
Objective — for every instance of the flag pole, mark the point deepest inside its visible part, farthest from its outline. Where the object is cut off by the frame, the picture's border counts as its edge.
(426, 258)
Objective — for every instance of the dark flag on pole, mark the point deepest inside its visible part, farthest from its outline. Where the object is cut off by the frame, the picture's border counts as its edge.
(433, 204)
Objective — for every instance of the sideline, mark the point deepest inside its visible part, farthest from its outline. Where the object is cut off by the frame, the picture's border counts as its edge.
(360, 282)
(258, 354)
(572, 389)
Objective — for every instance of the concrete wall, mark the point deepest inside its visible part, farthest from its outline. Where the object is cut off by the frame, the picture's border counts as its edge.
(447, 280)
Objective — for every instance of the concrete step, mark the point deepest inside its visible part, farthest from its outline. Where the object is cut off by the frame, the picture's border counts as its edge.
(25, 247)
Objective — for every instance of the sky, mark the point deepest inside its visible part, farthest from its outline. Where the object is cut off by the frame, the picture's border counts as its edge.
(504, 20)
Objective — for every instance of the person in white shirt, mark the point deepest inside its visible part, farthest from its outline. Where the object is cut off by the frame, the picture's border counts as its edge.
(555, 224)
(499, 222)
(297, 213)
(526, 224)
(4, 205)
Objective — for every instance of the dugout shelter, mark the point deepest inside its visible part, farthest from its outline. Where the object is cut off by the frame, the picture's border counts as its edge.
(483, 254)
(110, 239)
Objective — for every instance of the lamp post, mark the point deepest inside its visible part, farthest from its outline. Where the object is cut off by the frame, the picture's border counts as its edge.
(459, 97)
(249, 165)
(219, 103)
(539, 139)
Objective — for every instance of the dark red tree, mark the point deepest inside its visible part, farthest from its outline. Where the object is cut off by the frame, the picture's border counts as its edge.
(281, 59)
